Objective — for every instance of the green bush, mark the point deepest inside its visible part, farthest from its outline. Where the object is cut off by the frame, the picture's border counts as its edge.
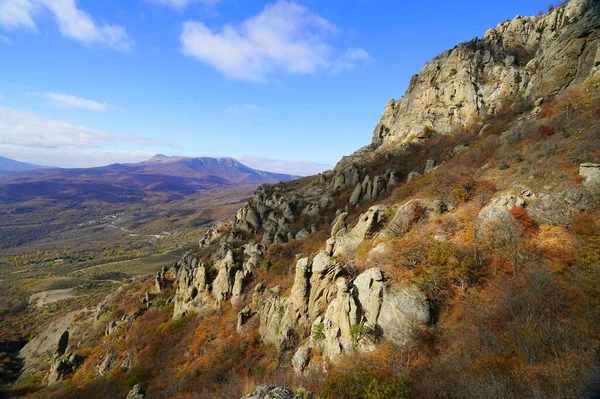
(135, 376)
(317, 332)
(366, 385)
(178, 325)
(429, 131)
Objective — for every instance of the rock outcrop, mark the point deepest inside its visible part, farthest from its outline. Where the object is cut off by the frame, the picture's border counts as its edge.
(137, 392)
(200, 285)
(369, 224)
(272, 392)
(530, 57)
(371, 189)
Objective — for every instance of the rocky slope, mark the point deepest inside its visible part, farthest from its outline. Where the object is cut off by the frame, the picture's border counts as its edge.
(404, 246)
(519, 58)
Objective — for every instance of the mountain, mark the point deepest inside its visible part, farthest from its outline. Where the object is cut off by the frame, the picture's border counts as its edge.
(225, 168)
(8, 165)
(44, 206)
(455, 256)
(170, 177)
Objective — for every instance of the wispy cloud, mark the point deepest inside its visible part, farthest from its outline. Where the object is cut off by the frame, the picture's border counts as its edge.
(297, 168)
(350, 59)
(72, 158)
(18, 14)
(73, 22)
(181, 4)
(69, 101)
(29, 130)
(284, 37)
(5, 39)
(244, 110)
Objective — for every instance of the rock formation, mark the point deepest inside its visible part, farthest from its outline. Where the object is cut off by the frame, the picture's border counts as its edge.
(530, 57)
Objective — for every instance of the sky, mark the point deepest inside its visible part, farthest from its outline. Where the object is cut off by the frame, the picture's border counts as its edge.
(284, 86)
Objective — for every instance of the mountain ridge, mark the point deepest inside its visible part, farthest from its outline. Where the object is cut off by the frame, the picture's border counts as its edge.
(8, 165)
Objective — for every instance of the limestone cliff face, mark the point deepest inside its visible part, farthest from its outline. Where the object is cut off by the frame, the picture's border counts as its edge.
(531, 57)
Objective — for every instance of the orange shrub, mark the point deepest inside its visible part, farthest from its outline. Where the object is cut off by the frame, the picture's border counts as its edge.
(548, 111)
(526, 221)
(546, 130)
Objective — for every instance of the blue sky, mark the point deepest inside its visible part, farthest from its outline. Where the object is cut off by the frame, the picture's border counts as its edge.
(281, 85)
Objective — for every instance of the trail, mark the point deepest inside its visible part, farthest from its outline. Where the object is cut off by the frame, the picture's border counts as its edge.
(45, 297)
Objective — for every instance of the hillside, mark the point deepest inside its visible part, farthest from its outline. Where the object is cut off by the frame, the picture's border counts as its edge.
(8, 165)
(456, 256)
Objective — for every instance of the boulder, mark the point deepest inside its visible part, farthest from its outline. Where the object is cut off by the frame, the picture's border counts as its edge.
(403, 308)
(271, 392)
(300, 358)
(61, 366)
(430, 166)
(412, 176)
(370, 287)
(369, 224)
(137, 392)
(342, 315)
(590, 172)
(108, 364)
(302, 234)
(243, 316)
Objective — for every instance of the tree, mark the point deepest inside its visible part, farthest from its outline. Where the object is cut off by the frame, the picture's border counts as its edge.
(511, 236)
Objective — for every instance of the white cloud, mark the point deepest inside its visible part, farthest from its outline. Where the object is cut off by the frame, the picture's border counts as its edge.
(5, 39)
(350, 59)
(72, 22)
(181, 4)
(26, 129)
(72, 158)
(69, 101)
(18, 14)
(297, 168)
(284, 37)
(244, 110)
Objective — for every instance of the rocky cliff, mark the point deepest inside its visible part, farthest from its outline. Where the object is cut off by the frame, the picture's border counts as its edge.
(527, 57)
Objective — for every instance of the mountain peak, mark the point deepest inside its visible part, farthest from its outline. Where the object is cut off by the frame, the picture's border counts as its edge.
(521, 58)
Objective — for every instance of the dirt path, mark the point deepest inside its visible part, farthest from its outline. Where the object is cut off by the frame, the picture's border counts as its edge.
(45, 297)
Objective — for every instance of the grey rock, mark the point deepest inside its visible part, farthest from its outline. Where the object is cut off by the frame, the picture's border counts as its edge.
(590, 172)
(111, 327)
(137, 392)
(412, 176)
(243, 316)
(302, 234)
(356, 194)
(108, 364)
(271, 392)
(60, 367)
(403, 309)
(430, 166)
(301, 358)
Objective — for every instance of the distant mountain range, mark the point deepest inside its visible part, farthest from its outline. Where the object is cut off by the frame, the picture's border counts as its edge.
(8, 165)
(171, 176)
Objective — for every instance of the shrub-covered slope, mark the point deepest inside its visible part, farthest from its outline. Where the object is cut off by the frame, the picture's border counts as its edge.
(461, 263)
